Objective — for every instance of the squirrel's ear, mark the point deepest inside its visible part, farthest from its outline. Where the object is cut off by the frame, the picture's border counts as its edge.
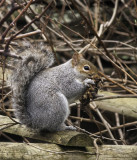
(76, 58)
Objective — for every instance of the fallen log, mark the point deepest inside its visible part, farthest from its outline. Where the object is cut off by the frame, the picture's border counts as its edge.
(67, 138)
(124, 106)
(40, 151)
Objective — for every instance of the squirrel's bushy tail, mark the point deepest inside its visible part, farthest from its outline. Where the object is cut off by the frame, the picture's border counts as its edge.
(30, 65)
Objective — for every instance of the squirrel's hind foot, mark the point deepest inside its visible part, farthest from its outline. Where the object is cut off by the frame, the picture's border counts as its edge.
(70, 128)
(64, 127)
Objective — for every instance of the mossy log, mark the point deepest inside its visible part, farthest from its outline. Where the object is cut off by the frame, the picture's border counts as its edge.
(124, 106)
(40, 151)
(67, 138)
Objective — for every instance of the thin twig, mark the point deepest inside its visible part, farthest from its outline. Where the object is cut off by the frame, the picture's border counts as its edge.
(26, 26)
(15, 20)
(104, 121)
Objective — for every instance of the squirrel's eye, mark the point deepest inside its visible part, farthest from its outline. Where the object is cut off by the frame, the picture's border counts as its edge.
(86, 68)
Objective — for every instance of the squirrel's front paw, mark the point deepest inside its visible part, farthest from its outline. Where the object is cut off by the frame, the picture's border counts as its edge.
(88, 82)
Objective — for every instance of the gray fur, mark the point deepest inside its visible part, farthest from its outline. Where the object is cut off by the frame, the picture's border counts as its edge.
(41, 95)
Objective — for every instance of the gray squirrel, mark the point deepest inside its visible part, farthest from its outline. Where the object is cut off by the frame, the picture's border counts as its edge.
(41, 95)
